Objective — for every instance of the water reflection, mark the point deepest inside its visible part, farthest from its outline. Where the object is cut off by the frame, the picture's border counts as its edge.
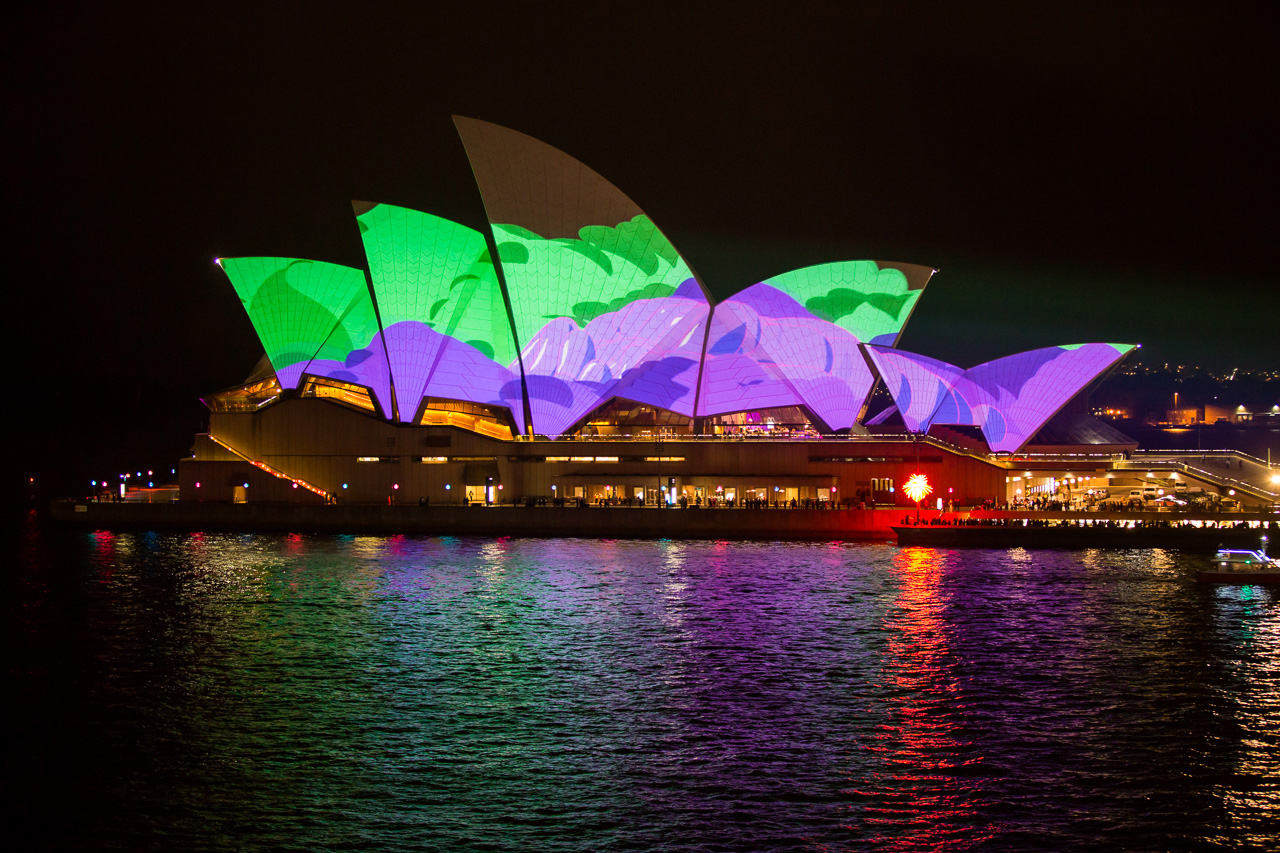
(926, 793)
(403, 692)
(1247, 660)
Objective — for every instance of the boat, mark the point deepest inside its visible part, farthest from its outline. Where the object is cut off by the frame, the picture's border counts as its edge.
(1238, 566)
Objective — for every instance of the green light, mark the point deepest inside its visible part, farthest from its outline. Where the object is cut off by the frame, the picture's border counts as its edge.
(296, 306)
(858, 296)
(605, 269)
(430, 270)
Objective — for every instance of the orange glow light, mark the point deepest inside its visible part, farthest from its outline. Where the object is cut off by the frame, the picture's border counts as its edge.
(917, 487)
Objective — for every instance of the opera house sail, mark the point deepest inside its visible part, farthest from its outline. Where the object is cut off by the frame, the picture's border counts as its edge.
(793, 340)
(576, 317)
(604, 305)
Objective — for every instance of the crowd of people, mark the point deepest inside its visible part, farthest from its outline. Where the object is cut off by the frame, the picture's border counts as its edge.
(1107, 523)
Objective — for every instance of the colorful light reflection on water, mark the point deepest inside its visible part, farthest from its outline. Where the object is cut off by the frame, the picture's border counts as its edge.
(304, 692)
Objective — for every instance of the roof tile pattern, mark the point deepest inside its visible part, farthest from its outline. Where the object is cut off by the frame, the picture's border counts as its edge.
(1010, 398)
(313, 317)
(603, 304)
(599, 304)
(437, 290)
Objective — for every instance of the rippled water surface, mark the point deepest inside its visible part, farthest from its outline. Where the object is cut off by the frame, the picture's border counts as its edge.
(189, 691)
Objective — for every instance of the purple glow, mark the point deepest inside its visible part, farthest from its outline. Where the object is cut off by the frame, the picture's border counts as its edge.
(647, 352)
(366, 366)
(1010, 398)
(766, 350)
(918, 384)
(430, 364)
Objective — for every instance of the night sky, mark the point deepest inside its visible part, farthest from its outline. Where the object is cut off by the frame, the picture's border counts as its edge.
(1081, 175)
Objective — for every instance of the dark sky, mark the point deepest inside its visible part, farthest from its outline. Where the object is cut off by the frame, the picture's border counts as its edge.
(1099, 173)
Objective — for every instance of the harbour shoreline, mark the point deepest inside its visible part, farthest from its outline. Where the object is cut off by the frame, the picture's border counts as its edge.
(959, 529)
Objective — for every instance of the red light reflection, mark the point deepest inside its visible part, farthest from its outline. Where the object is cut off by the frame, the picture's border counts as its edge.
(926, 798)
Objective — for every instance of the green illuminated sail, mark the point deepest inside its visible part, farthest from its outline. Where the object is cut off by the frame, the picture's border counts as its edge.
(601, 272)
(299, 307)
(433, 271)
(871, 301)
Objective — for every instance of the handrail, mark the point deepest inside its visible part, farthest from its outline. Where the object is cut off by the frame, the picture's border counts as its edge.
(1220, 451)
(275, 472)
(1212, 476)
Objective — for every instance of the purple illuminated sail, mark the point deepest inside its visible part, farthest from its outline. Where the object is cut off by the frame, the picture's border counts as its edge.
(918, 384)
(1010, 398)
(766, 350)
(647, 352)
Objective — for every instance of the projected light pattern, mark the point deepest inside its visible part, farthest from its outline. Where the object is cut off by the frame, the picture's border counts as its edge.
(355, 352)
(599, 304)
(793, 340)
(918, 384)
(313, 317)
(616, 314)
(295, 305)
(445, 320)
(1009, 398)
(870, 302)
(603, 304)
(647, 352)
(1014, 397)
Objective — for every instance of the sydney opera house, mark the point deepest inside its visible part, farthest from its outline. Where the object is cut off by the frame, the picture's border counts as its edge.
(574, 353)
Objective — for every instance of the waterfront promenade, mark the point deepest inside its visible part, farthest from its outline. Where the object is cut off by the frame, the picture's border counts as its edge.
(622, 522)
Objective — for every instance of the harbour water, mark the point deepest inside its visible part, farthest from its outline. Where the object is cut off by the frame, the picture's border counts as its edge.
(287, 692)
